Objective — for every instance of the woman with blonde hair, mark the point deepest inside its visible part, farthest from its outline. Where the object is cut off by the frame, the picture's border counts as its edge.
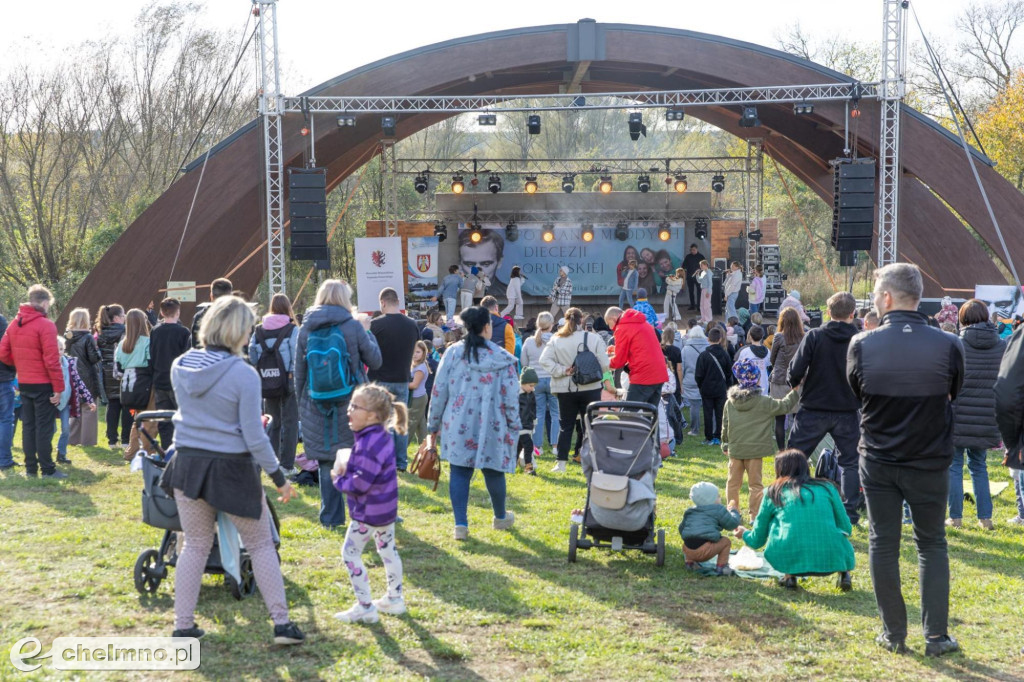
(82, 347)
(324, 424)
(278, 331)
(219, 440)
(547, 403)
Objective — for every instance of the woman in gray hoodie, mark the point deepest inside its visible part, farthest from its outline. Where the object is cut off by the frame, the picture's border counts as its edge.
(695, 344)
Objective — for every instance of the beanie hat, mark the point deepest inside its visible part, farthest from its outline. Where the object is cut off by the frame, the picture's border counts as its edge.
(795, 294)
(641, 293)
(427, 334)
(703, 493)
(747, 373)
(529, 376)
(474, 270)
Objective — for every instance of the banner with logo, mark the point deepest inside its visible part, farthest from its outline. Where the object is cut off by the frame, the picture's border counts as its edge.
(378, 266)
(422, 268)
(595, 267)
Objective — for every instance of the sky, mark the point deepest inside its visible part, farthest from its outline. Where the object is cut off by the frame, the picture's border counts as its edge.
(320, 39)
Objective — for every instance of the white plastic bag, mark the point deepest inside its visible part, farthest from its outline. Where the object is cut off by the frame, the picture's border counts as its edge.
(746, 560)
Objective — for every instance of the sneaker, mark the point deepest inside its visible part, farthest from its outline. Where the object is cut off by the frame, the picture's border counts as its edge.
(707, 442)
(845, 581)
(716, 441)
(954, 523)
(392, 607)
(559, 467)
(938, 647)
(529, 470)
(63, 459)
(724, 570)
(576, 459)
(461, 532)
(56, 474)
(693, 433)
(1015, 521)
(986, 524)
(692, 565)
(895, 646)
(189, 632)
(505, 523)
(122, 446)
(358, 614)
(289, 633)
(114, 446)
(788, 581)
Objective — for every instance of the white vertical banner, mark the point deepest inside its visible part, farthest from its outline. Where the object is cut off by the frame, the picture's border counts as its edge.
(378, 266)
(422, 268)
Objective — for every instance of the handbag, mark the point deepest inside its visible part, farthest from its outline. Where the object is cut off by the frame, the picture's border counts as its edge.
(136, 386)
(608, 490)
(426, 463)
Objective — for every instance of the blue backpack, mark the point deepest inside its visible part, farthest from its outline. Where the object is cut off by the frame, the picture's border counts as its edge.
(329, 374)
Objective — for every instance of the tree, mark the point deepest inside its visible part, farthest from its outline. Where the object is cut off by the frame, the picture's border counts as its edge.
(1001, 129)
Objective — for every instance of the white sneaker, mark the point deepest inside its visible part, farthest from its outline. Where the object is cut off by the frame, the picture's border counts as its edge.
(359, 614)
(559, 467)
(1016, 521)
(505, 523)
(392, 607)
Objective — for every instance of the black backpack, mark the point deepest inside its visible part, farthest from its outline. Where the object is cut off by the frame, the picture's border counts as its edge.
(588, 369)
(270, 365)
(827, 466)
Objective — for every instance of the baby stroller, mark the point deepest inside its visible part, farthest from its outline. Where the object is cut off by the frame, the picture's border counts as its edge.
(160, 511)
(620, 462)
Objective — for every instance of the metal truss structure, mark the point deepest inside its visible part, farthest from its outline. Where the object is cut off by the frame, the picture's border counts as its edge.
(389, 191)
(573, 167)
(755, 194)
(606, 216)
(271, 109)
(893, 86)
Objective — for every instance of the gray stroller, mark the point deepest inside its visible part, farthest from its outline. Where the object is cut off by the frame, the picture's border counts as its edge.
(620, 463)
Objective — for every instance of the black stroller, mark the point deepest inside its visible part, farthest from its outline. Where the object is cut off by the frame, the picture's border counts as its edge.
(160, 511)
(620, 444)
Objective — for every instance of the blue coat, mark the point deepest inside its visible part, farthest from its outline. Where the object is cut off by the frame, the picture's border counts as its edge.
(475, 406)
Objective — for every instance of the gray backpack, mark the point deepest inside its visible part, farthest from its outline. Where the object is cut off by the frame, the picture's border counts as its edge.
(587, 368)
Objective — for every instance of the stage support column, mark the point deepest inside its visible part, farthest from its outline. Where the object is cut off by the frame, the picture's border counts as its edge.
(754, 195)
(894, 59)
(271, 106)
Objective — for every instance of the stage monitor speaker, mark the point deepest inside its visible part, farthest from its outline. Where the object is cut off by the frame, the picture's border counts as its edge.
(853, 205)
(307, 213)
(773, 297)
(815, 318)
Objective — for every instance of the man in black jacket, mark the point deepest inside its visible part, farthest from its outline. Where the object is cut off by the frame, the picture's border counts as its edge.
(167, 341)
(6, 410)
(691, 263)
(906, 375)
(220, 287)
(827, 405)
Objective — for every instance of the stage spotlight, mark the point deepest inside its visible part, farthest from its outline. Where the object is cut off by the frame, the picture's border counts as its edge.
(588, 233)
(420, 183)
(700, 230)
(458, 186)
(664, 231)
(674, 115)
(855, 111)
(548, 234)
(718, 183)
(754, 235)
(475, 233)
(304, 130)
(606, 184)
(568, 184)
(441, 231)
(487, 119)
(511, 231)
(803, 108)
(749, 118)
(346, 121)
(387, 124)
(680, 184)
(622, 231)
(579, 101)
(494, 184)
(533, 124)
(643, 183)
(531, 184)
(636, 126)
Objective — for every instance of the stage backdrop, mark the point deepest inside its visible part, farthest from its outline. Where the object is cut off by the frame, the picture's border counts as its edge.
(1004, 299)
(422, 268)
(378, 265)
(595, 267)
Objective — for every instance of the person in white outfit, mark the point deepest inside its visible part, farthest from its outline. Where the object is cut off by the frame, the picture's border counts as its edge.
(514, 294)
(731, 288)
(673, 285)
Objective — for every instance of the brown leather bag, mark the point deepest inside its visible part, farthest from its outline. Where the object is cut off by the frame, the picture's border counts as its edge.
(426, 463)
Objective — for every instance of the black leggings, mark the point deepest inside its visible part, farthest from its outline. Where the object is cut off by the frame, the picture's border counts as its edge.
(571, 405)
(116, 414)
(713, 408)
(780, 432)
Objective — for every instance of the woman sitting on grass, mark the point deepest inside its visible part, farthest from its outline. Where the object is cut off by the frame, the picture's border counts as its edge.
(803, 523)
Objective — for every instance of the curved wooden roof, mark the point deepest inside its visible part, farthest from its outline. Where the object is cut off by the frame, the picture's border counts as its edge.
(227, 221)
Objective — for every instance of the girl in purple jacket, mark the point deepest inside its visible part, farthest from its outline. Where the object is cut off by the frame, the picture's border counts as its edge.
(367, 476)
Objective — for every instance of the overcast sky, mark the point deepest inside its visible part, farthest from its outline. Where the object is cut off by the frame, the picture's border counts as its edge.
(320, 39)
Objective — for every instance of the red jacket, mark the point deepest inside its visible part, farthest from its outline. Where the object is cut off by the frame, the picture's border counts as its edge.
(30, 344)
(637, 344)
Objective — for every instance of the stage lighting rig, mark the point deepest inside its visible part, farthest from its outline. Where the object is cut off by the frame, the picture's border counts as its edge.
(749, 118)
(568, 184)
(636, 126)
(346, 121)
(606, 184)
(718, 183)
(511, 231)
(487, 119)
(700, 230)
(665, 231)
(643, 183)
(531, 184)
(458, 186)
(587, 232)
(680, 184)
(494, 184)
(420, 183)
(533, 124)
(674, 115)
(548, 235)
(388, 124)
(622, 231)
(441, 231)
(475, 232)
(754, 235)
(803, 108)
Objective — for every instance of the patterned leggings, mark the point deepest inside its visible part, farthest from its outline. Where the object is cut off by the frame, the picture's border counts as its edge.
(352, 552)
(199, 521)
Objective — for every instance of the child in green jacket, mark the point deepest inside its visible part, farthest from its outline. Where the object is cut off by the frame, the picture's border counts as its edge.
(702, 526)
(748, 431)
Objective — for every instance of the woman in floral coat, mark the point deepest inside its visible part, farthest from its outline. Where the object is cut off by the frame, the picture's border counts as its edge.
(475, 408)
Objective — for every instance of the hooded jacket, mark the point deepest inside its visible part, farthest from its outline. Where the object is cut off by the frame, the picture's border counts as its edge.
(692, 349)
(781, 357)
(362, 351)
(272, 325)
(82, 347)
(7, 372)
(712, 383)
(371, 481)
(748, 422)
(637, 344)
(821, 358)
(758, 354)
(974, 423)
(30, 345)
(167, 342)
(107, 341)
(1009, 395)
(475, 406)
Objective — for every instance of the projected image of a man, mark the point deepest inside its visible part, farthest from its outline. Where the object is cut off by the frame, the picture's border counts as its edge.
(486, 254)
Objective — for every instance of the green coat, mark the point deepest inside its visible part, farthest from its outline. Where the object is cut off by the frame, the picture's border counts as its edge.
(809, 535)
(707, 522)
(748, 422)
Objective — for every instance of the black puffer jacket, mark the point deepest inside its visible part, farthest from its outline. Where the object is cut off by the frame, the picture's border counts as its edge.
(107, 342)
(81, 346)
(1009, 395)
(711, 382)
(974, 423)
(527, 411)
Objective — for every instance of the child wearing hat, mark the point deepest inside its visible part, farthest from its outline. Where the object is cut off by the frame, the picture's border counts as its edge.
(644, 306)
(702, 526)
(748, 431)
(527, 416)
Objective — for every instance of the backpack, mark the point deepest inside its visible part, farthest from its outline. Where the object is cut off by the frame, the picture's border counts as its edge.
(827, 466)
(588, 369)
(329, 374)
(136, 386)
(270, 365)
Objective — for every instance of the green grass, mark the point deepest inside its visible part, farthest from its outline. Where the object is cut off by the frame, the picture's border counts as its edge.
(503, 605)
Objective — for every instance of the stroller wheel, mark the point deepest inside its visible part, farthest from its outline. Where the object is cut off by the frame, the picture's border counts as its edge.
(574, 534)
(247, 587)
(660, 556)
(149, 571)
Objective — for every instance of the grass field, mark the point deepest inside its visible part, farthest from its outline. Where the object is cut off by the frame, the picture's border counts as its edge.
(503, 605)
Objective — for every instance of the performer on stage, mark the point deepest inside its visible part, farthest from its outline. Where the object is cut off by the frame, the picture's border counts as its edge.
(673, 285)
(514, 294)
(630, 283)
(692, 266)
(705, 280)
(561, 292)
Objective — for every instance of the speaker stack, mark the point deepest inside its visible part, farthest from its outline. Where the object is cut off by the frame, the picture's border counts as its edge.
(771, 263)
(853, 208)
(307, 199)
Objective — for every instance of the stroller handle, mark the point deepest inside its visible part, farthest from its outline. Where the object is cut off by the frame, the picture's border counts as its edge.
(154, 415)
(630, 405)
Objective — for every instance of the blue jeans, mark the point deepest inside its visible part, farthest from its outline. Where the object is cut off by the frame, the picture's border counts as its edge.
(401, 393)
(754, 307)
(1018, 488)
(6, 422)
(547, 404)
(449, 308)
(979, 478)
(458, 491)
(332, 502)
(695, 410)
(730, 306)
(65, 432)
(625, 299)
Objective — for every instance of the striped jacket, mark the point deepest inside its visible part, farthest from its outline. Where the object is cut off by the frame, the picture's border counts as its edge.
(370, 480)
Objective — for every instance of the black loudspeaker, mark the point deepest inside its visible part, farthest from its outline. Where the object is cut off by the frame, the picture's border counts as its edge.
(717, 292)
(738, 251)
(853, 206)
(815, 317)
(307, 212)
(773, 297)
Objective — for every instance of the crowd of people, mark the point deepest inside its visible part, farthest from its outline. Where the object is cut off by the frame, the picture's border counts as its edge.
(905, 403)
